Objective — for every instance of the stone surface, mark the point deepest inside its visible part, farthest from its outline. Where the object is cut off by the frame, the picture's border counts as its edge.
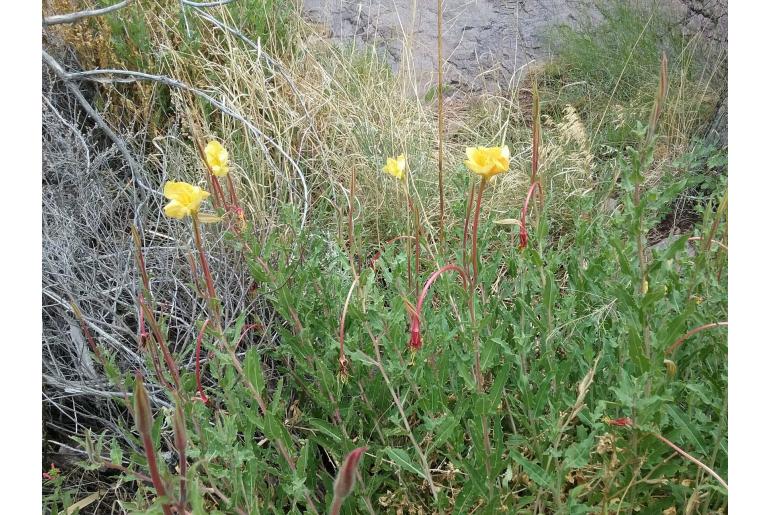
(484, 40)
(487, 43)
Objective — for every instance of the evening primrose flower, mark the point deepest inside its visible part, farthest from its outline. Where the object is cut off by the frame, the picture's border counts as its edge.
(185, 199)
(217, 158)
(395, 167)
(488, 161)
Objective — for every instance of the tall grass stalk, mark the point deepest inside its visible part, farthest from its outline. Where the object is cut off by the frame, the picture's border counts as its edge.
(440, 93)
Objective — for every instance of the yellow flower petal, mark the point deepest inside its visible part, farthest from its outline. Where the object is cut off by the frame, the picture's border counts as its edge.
(185, 199)
(395, 167)
(488, 161)
(217, 158)
(174, 190)
(175, 209)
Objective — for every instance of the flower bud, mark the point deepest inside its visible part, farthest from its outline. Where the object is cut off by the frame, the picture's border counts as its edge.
(523, 237)
(415, 340)
(346, 477)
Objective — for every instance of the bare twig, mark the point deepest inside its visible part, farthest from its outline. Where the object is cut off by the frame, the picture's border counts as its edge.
(692, 459)
(206, 4)
(77, 16)
(113, 75)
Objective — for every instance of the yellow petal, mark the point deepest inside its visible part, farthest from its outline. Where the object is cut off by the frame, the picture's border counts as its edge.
(219, 170)
(175, 210)
(173, 190)
(185, 198)
(217, 158)
(392, 167)
(401, 162)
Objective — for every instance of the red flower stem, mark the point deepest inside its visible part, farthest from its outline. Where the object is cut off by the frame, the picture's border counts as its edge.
(143, 334)
(140, 259)
(198, 363)
(693, 332)
(433, 278)
(465, 228)
(211, 291)
(218, 189)
(158, 369)
(523, 237)
(143, 415)
(180, 441)
(233, 194)
(416, 251)
(476, 232)
(245, 331)
(158, 334)
(535, 131)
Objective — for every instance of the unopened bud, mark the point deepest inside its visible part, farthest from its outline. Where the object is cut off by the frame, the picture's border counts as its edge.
(523, 237)
(670, 367)
(415, 340)
(142, 410)
(346, 477)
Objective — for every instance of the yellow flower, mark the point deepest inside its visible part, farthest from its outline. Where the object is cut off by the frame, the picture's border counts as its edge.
(487, 161)
(217, 157)
(395, 167)
(185, 199)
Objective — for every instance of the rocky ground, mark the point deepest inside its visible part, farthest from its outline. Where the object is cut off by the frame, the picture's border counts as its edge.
(486, 42)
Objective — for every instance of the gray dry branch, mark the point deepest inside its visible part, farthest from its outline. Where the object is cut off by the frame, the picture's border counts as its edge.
(97, 182)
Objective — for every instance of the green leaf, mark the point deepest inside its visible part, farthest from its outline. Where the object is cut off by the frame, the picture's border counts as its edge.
(636, 350)
(674, 328)
(445, 431)
(239, 323)
(534, 471)
(401, 458)
(326, 428)
(490, 352)
(577, 454)
(275, 430)
(302, 461)
(625, 266)
(116, 453)
(362, 357)
(683, 425)
(496, 392)
(253, 366)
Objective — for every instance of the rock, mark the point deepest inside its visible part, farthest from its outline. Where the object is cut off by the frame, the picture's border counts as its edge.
(498, 38)
(487, 43)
